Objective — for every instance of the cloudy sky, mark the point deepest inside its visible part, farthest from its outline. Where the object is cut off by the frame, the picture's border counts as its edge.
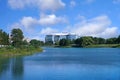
(36, 18)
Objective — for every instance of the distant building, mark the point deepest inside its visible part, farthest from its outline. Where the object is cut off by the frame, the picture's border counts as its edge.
(72, 36)
(58, 36)
(48, 38)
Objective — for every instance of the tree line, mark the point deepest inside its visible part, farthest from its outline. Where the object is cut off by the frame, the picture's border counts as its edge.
(88, 40)
(16, 39)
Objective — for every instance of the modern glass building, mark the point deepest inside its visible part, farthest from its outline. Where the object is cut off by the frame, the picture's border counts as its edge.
(58, 36)
(48, 38)
(71, 36)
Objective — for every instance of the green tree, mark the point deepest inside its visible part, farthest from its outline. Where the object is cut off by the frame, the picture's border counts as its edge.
(78, 42)
(1, 39)
(118, 39)
(4, 38)
(24, 42)
(111, 41)
(64, 42)
(17, 37)
(98, 40)
(36, 43)
(84, 41)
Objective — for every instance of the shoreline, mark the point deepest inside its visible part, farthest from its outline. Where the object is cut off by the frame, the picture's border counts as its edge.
(92, 46)
(5, 52)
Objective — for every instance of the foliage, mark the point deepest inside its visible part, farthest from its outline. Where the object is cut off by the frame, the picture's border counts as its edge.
(84, 41)
(19, 47)
(104, 46)
(11, 51)
(111, 41)
(99, 40)
(4, 38)
(118, 39)
(17, 37)
(64, 42)
(36, 43)
(57, 43)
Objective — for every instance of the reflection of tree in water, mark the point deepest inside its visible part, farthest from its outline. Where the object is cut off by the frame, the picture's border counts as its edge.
(4, 65)
(17, 67)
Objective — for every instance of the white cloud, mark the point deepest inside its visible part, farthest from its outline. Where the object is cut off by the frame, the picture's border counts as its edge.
(28, 22)
(72, 3)
(50, 4)
(48, 30)
(109, 32)
(42, 4)
(31, 25)
(99, 26)
(45, 20)
(51, 19)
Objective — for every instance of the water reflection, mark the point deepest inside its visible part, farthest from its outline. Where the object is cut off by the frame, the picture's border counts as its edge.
(12, 68)
(4, 65)
(17, 68)
(63, 64)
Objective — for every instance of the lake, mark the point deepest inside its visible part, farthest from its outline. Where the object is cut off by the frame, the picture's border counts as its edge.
(64, 64)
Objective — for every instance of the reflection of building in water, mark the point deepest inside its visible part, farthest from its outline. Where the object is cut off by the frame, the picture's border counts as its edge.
(57, 36)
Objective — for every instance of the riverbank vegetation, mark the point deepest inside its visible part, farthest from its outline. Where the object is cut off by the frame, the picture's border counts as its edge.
(16, 45)
(90, 42)
(11, 52)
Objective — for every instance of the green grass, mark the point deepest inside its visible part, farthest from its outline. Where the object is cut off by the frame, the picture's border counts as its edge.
(93, 46)
(57, 46)
(104, 46)
(11, 52)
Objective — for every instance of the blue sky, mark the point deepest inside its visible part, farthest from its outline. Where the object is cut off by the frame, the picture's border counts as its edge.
(36, 18)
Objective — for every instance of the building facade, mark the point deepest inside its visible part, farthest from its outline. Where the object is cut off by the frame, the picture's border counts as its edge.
(58, 36)
(48, 38)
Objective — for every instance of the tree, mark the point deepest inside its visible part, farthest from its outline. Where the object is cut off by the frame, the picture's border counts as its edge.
(84, 41)
(4, 38)
(64, 42)
(24, 42)
(36, 43)
(98, 40)
(78, 42)
(111, 41)
(17, 37)
(118, 39)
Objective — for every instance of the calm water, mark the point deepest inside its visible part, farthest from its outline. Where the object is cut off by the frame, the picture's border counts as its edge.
(64, 64)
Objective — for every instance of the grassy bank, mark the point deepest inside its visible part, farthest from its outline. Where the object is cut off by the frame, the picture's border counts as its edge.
(57, 46)
(92, 46)
(11, 52)
(104, 46)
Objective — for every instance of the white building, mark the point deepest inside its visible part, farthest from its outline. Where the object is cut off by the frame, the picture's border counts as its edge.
(58, 36)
